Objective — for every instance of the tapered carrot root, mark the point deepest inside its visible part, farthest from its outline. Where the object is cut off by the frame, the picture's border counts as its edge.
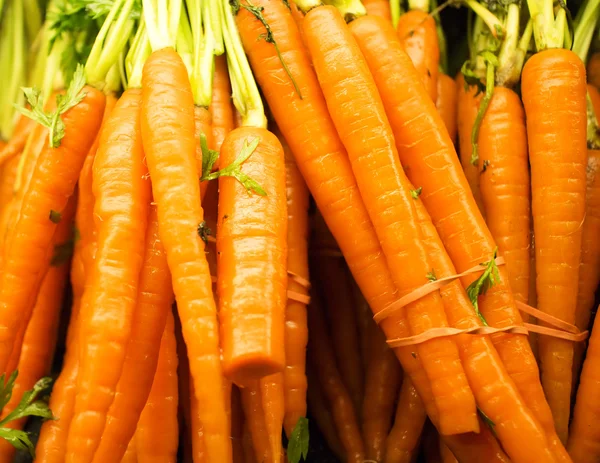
(221, 108)
(252, 286)
(467, 107)
(504, 183)
(378, 8)
(447, 104)
(167, 126)
(382, 381)
(593, 69)
(556, 112)
(255, 419)
(403, 439)
(418, 35)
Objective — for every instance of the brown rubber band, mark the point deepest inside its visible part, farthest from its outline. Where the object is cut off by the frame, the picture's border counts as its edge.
(298, 279)
(562, 330)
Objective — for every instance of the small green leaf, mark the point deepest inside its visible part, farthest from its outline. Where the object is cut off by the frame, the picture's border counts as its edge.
(62, 253)
(18, 439)
(203, 231)
(471, 78)
(52, 121)
(481, 285)
(297, 448)
(416, 193)
(488, 421)
(431, 275)
(234, 170)
(6, 388)
(209, 157)
(55, 216)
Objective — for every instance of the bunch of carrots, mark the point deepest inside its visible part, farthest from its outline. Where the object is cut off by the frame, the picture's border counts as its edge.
(261, 231)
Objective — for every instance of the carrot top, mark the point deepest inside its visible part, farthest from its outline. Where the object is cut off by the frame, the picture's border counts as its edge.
(350, 9)
(162, 18)
(585, 24)
(549, 28)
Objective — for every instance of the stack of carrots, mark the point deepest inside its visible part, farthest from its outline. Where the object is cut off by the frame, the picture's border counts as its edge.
(261, 231)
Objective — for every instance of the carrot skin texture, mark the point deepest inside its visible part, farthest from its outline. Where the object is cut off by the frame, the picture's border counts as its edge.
(447, 104)
(157, 435)
(255, 419)
(467, 106)
(403, 439)
(554, 96)
(418, 35)
(354, 103)
(53, 181)
(18, 140)
(584, 434)
(169, 143)
(430, 161)
(505, 185)
(296, 329)
(122, 195)
(324, 164)
(252, 285)
(221, 107)
(153, 305)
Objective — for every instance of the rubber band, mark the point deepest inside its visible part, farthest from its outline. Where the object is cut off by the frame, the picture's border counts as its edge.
(561, 330)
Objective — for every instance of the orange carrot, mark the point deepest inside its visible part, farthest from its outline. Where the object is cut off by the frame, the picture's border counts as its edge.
(17, 142)
(167, 127)
(354, 102)
(446, 453)
(157, 435)
(418, 35)
(337, 296)
(382, 380)
(593, 69)
(296, 330)
(467, 107)
(131, 453)
(504, 184)
(252, 286)
(584, 434)
(432, 164)
(52, 183)
(447, 103)
(221, 108)
(255, 419)
(272, 400)
(153, 305)
(403, 439)
(336, 394)
(557, 114)
(378, 8)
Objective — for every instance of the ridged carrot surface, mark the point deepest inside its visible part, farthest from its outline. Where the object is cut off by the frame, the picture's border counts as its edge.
(447, 103)
(554, 96)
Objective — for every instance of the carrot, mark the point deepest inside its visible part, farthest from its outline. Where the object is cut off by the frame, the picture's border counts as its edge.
(584, 435)
(446, 454)
(255, 419)
(252, 286)
(382, 381)
(8, 176)
(221, 108)
(418, 35)
(403, 439)
(336, 394)
(272, 399)
(325, 166)
(17, 142)
(447, 102)
(52, 183)
(353, 99)
(589, 268)
(339, 307)
(248, 445)
(558, 204)
(467, 107)
(153, 305)
(378, 8)
(52, 441)
(131, 453)
(296, 330)
(157, 436)
(504, 184)
(119, 177)
(431, 163)
(195, 425)
(320, 413)
(593, 69)
(168, 134)
(39, 339)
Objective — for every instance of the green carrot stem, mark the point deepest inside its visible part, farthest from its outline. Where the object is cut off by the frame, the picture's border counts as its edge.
(491, 21)
(548, 31)
(485, 101)
(137, 55)
(350, 9)
(508, 49)
(162, 22)
(306, 5)
(584, 31)
(246, 96)
(421, 5)
(396, 10)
